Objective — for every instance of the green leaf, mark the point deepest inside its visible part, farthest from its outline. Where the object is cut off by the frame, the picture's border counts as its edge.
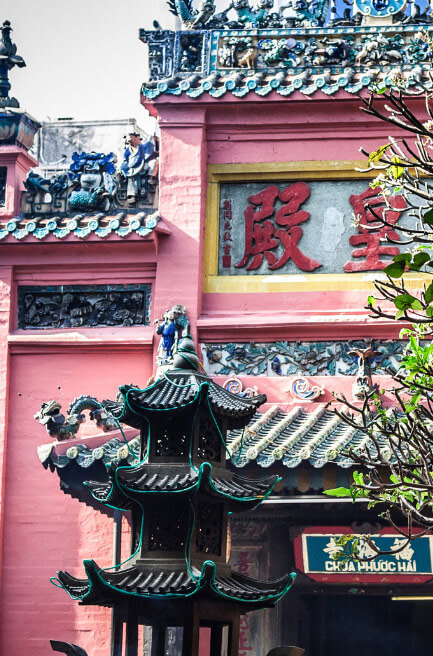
(428, 217)
(428, 296)
(338, 492)
(395, 269)
(371, 300)
(404, 301)
(418, 261)
(399, 315)
(403, 257)
(416, 305)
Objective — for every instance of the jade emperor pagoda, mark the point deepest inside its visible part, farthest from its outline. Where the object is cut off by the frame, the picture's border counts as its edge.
(177, 316)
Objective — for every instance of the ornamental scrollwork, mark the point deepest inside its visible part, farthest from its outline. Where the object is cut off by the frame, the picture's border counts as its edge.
(301, 388)
(235, 386)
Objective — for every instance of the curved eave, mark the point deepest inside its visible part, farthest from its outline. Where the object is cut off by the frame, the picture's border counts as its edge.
(104, 588)
(179, 390)
(134, 483)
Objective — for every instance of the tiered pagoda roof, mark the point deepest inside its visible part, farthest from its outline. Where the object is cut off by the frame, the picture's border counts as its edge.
(160, 567)
(106, 588)
(240, 493)
(177, 390)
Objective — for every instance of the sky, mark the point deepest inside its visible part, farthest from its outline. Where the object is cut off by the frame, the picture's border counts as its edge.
(84, 59)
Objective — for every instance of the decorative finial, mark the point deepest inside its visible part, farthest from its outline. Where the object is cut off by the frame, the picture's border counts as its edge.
(186, 356)
(8, 59)
(364, 358)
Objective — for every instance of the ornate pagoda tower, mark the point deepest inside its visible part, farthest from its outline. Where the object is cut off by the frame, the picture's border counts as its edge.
(180, 496)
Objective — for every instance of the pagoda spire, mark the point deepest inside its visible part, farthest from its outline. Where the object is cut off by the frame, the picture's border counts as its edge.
(8, 59)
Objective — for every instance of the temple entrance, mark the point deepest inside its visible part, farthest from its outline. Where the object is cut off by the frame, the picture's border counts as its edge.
(368, 625)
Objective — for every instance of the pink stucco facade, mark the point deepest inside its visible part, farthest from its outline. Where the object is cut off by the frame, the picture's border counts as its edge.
(44, 530)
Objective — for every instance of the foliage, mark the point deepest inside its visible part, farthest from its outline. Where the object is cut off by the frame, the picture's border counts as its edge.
(396, 453)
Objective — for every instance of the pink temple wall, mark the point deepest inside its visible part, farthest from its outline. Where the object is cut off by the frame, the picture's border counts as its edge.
(45, 530)
(196, 134)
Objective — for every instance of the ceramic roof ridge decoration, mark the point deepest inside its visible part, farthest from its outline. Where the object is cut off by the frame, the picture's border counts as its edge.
(95, 182)
(248, 14)
(362, 48)
(122, 224)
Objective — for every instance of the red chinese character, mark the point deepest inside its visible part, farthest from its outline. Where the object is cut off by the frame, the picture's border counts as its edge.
(371, 232)
(226, 249)
(227, 214)
(227, 205)
(262, 235)
(227, 236)
(227, 225)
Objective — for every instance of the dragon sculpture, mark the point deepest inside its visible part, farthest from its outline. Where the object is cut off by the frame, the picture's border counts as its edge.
(65, 428)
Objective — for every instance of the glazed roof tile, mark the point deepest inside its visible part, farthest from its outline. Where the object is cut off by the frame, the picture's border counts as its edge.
(103, 587)
(112, 452)
(319, 437)
(179, 388)
(123, 224)
(292, 437)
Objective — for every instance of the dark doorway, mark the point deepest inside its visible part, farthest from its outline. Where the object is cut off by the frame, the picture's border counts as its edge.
(365, 625)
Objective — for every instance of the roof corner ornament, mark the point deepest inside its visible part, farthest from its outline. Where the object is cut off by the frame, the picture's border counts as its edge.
(8, 59)
(364, 358)
(65, 428)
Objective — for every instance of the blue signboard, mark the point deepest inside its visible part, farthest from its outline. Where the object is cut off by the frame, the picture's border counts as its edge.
(318, 556)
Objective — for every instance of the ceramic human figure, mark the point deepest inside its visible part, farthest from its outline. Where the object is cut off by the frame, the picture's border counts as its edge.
(169, 337)
(136, 165)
